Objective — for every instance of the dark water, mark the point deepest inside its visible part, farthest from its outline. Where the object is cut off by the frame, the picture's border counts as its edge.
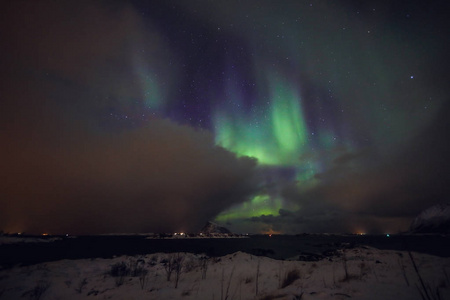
(278, 247)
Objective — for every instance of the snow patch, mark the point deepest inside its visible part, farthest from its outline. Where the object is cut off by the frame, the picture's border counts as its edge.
(361, 273)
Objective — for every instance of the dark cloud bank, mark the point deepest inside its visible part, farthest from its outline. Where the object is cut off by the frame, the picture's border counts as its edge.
(68, 164)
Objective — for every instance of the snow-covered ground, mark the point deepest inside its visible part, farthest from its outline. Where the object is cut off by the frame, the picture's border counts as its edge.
(371, 274)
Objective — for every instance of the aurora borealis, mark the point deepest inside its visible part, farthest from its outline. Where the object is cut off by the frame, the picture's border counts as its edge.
(267, 116)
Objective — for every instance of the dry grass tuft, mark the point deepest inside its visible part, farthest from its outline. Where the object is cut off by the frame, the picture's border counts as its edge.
(290, 277)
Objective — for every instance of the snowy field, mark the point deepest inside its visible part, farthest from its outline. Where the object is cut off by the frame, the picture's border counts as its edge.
(358, 273)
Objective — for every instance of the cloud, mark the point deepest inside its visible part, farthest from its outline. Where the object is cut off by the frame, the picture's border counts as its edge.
(163, 177)
(382, 197)
(76, 157)
(363, 192)
(348, 157)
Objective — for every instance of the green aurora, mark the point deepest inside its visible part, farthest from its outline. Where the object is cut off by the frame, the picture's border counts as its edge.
(279, 138)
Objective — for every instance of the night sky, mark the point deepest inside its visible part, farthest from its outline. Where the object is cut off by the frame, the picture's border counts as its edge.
(265, 116)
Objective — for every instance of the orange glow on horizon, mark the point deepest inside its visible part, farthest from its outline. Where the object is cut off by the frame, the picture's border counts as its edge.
(271, 232)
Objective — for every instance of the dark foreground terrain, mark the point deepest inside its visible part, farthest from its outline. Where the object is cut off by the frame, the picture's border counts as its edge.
(306, 247)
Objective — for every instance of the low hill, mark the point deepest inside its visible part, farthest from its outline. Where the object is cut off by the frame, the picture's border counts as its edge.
(213, 228)
(435, 219)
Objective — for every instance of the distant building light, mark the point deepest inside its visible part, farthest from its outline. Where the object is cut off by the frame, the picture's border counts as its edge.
(45, 234)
